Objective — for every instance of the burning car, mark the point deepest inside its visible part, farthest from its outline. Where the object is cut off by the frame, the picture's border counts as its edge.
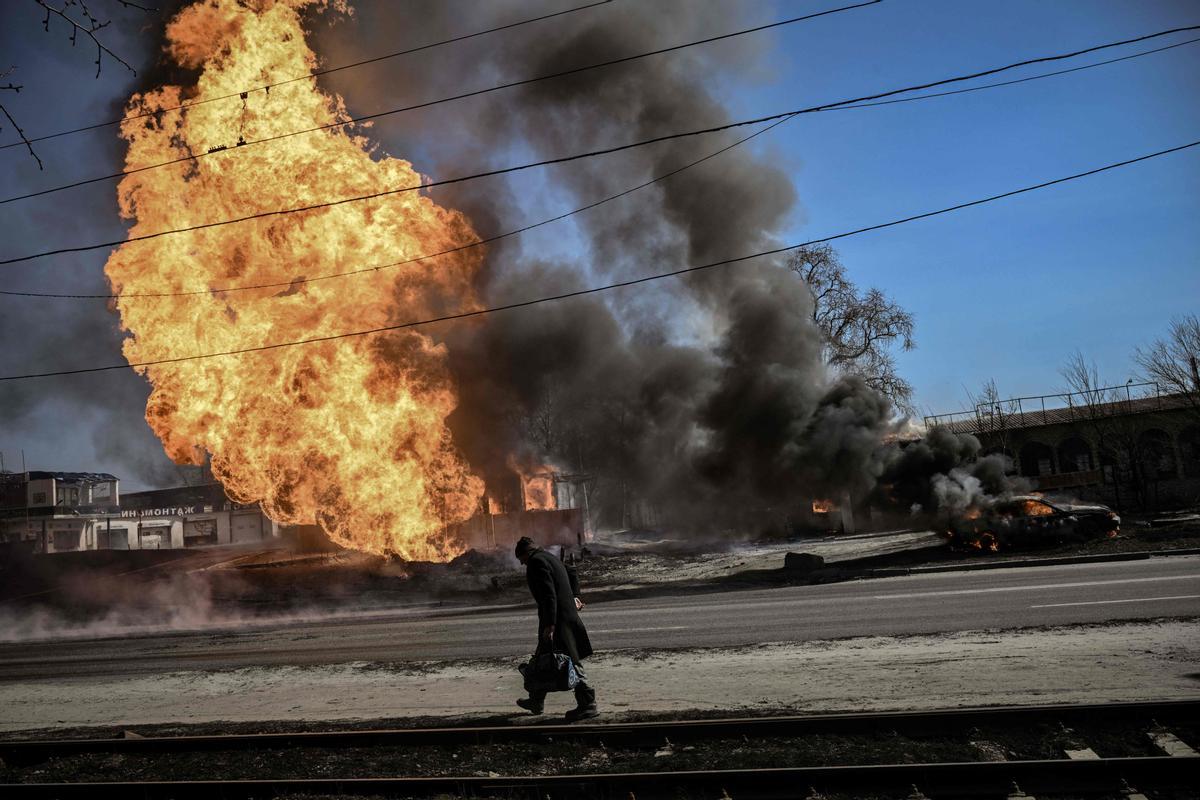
(1026, 521)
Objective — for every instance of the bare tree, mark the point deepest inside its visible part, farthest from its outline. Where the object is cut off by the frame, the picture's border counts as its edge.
(1172, 362)
(992, 414)
(859, 327)
(542, 426)
(78, 17)
(1097, 410)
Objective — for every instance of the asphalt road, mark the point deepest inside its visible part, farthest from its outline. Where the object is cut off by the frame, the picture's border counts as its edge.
(921, 604)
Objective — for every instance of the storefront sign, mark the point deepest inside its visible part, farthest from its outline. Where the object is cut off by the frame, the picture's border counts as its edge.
(176, 511)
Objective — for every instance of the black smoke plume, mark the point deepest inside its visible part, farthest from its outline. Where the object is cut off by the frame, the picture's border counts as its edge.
(702, 397)
(944, 472)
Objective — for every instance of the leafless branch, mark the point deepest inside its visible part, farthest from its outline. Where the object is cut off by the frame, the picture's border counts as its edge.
(858, 327)
(21, 133)
(12, 87)
(89, 29)
(1174, 362)
(90, 25)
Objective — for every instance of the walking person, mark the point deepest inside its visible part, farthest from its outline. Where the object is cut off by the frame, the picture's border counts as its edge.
(555, 589)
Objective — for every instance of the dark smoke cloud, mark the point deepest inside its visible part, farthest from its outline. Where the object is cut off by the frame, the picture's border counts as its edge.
(944, 472)
(703, 396)
(90, 422)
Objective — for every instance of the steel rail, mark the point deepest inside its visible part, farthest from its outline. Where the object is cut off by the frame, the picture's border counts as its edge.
(630, 734)
(960, 779)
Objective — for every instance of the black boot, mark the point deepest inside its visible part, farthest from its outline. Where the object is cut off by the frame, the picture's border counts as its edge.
(588, 711)
(585, 702)
(531, 705)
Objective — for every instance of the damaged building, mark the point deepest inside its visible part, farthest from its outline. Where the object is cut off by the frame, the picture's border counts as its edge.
(548, 506)
(57, 512)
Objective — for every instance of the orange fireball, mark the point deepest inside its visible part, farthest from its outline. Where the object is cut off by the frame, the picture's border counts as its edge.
(350, 434)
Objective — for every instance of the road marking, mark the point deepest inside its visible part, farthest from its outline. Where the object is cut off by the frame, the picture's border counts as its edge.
(1131, 600)
(1034, 587)
(643, 630)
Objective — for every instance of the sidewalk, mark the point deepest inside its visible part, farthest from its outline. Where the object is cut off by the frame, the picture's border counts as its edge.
(1096, 663)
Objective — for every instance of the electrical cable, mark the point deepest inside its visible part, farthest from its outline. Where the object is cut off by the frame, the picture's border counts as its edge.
(578, 156)
(1015, 81)
(241, 144)
(518, 231)
(311, 76)
(606, 287)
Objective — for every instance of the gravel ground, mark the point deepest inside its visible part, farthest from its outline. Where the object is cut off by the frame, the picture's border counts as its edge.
(565, 758)
(989, 743)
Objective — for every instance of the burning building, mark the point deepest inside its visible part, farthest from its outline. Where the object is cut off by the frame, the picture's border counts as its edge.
(547, 506)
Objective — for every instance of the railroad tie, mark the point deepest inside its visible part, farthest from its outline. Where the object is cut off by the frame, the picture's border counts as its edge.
(1083, 754)
(1075, 748)
(1169, 743)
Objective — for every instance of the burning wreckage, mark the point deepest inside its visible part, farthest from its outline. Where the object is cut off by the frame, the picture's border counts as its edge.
(976, 499)
(1029, 521)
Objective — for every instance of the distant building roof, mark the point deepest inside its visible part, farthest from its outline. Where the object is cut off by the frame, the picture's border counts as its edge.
(996, 418)
(203, 494)
(41, 475)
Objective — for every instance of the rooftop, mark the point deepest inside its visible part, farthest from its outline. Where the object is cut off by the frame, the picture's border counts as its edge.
(1056, 409)
(71, 477)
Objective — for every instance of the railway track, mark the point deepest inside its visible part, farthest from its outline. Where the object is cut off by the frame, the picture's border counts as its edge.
(1082, 773)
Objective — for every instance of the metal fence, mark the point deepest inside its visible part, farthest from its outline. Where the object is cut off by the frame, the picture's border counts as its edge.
(1046, 409)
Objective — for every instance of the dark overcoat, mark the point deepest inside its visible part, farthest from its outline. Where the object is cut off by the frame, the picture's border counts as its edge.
(554, 587)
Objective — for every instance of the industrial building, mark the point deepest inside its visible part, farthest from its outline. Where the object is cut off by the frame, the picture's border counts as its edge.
(1130, 445)
(57, 512)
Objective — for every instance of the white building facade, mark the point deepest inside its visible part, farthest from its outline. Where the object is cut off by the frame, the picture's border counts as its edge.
(57, 512)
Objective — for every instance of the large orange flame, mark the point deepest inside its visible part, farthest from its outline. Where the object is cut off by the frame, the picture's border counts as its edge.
(351, 433)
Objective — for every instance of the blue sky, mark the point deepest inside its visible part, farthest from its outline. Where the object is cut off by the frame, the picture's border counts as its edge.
(1007, 291)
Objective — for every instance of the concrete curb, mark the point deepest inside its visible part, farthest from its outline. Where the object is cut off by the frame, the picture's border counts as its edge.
(1030, 562)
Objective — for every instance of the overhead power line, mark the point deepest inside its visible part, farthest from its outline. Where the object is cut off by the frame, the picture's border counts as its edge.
(311, 76)
(240, 145)
(1015, 81)
(587, 154)
(588, 207)
(607, 287)
(415, 259)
